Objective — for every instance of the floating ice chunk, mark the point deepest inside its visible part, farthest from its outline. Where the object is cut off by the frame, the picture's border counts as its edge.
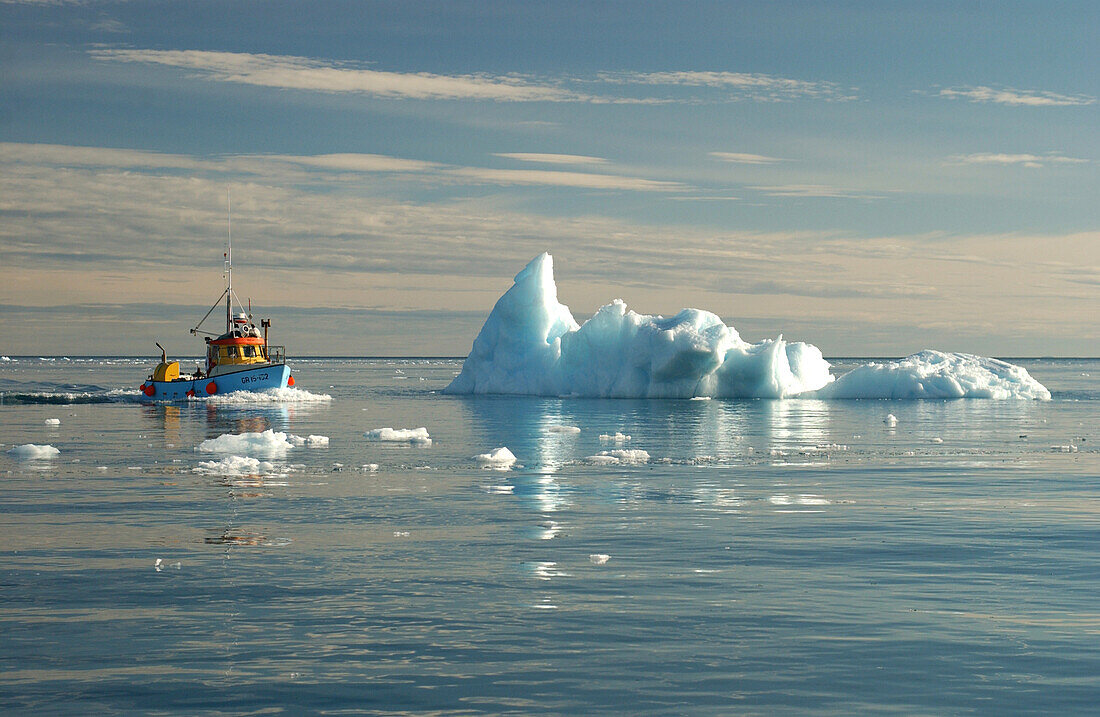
(33, 452)
(563, 429)
(599, 558)
(1058, 449)
(500, 458)
(935, 374)
(615, 438)
(160, 565)
(268, 443)
(370, 467)
(235, 466)
(53, 421)
(890, 420)
(937, 439)
(309, 441)
(530, 344)
(415, 436)
(618, 456)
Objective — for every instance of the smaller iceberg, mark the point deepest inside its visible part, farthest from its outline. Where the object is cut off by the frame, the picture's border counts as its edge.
(935, 374)
(531, 345)
(33, 452)
(499, 458)
(268, 443)
(413, 436)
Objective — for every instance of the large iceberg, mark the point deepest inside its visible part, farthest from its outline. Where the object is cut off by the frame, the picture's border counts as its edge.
(531, 344)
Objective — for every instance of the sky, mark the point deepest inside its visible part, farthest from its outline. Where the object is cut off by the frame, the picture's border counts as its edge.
(874, 178)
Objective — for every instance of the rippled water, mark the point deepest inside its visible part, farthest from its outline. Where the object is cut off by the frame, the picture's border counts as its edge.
(771, 556)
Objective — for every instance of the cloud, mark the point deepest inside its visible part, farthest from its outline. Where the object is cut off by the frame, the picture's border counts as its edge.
(551, 158)
(580, 180)
(812, 191)
(348, 162)
(302, 73)
(1010, 96)
(152, 227)
(288, 167)
(740, 158)
(740, 85)
(1033, 161)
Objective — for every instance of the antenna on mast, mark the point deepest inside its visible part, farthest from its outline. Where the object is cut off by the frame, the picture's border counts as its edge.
(229, 264)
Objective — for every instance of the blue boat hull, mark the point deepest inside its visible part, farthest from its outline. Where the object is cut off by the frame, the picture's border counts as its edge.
(253, 379)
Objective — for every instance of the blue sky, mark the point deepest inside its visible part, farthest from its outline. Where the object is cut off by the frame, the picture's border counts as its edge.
(874, 178)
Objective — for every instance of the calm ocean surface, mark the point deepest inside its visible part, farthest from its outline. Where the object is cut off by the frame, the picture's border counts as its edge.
(772, 557)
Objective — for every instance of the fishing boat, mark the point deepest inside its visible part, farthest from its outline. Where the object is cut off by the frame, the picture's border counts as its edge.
(240, 359)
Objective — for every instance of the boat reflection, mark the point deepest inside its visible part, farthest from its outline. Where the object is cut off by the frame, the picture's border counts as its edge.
(190, 424)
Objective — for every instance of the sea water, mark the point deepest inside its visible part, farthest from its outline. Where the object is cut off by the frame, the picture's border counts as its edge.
(765, 556)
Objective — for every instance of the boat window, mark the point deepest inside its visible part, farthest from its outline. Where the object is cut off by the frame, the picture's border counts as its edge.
(233, 352)
(249, 351)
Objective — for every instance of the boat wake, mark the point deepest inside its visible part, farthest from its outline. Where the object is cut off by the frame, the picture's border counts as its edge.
(265, 397)
(68, 395)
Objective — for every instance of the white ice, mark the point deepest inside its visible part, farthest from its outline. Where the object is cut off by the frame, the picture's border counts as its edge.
(235, 466)
(31, 451)
(415, 436)
(563, 429)
(53, 421)
(500, 458)
(935, 374)
(268, 443)
(531, 344)
(620, 456)
(310, 441)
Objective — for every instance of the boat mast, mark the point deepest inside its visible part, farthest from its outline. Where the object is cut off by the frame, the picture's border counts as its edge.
(229, 266)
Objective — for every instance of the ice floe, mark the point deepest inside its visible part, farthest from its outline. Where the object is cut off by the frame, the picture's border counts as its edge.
(563, 429)
(935, 374)
(415, 436)
(531, 344)
(267, 443)
(235, 466)
(614, 438)
(599, 558)
(53, 421)
(309, 441)
(619, 456)
(31, 451)
(499, 458)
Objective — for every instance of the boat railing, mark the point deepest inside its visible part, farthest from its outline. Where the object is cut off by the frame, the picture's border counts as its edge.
(276, 354)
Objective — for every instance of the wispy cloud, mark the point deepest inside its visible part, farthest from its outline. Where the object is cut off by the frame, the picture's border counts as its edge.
(812, 191)
(741, 158)
(580, 180)
(1010, 96)
(303, 73)
(551, 158)
(1033, 161)
(14, 154)
(739, 85)
(349, 162)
